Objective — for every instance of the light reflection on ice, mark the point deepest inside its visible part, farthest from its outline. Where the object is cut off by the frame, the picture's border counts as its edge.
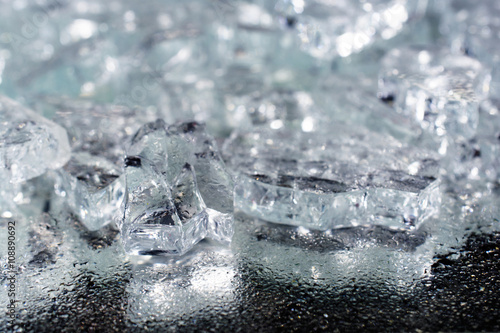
(164, 288)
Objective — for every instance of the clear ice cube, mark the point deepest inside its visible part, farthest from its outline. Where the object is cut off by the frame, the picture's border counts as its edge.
(177, 190)
(439, 90)
(94, 188)
(337, 176)
(92, 182)
(29, 143)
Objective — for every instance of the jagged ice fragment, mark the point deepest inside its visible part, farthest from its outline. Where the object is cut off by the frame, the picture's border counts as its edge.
(178, 191)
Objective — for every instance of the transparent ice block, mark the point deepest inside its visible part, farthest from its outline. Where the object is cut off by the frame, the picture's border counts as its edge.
(338, 176)
(177, 190)
(92, 182)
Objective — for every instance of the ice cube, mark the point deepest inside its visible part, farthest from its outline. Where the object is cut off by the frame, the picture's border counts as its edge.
(337, 176)
(177, 190)
(92, 181)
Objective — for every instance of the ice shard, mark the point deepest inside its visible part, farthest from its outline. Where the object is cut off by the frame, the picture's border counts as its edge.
(178, 191)
(337, 176)
(29, 143)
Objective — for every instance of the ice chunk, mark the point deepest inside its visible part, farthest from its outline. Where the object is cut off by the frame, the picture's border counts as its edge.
(472, 28)
(92, 181)
(93, 188)
(442, 93)
(29, 143)
(177, 190)
(331, 29)
(337, 176)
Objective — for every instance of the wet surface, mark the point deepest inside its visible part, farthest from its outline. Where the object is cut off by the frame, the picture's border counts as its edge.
(459, 295)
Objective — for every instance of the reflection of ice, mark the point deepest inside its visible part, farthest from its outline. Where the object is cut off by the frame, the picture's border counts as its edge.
(165, 289)
(334, 258)
(213, 279)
